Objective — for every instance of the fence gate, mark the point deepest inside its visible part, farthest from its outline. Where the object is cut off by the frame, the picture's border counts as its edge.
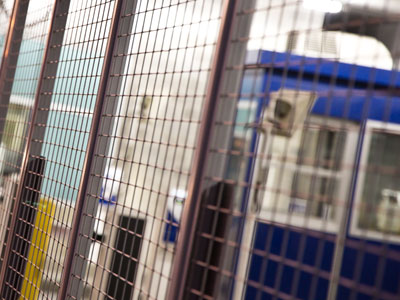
(200, 149)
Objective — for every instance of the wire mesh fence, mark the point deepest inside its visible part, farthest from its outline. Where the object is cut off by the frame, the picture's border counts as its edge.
(146, 140)
(200, 149)
(303, 214)
(23, 51)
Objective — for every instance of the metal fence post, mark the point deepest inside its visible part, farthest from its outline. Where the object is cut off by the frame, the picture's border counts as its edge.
(87, 166)
(100, 156)
(10, 56)
(59, 7)
(340, 240)
(7, 69)
(191, 210)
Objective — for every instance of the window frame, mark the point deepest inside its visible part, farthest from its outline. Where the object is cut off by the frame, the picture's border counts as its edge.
(370, 127)
(343, 175)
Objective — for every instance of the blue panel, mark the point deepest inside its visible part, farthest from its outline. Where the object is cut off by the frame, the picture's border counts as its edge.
(293, 245)
(287, 279)
(251, 292)
(263, 230)
(343, 293)
(270, 274)
(265, 296)
(277, 239)
(369, 268)
(252, 81)
(256, 262)
(395, 247)
(348, 265)
(361, 106)
(370, 263)
(357, 108)
(326, 263)
(171, 229)
(322, 289)
(361, 296)
(327, 68)
(269, 277)
(261, 237)
(391, 277)
(303, 289)
(310, 252)
(265, 270)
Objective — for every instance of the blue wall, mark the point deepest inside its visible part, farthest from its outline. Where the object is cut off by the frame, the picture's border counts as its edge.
(295, 261)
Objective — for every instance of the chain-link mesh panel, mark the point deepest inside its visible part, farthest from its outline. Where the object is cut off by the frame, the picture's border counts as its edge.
(7, 185)
(200, 149)
(65, 110)
(145, 147)
(20, 74)
(302, 201)
(58, 139)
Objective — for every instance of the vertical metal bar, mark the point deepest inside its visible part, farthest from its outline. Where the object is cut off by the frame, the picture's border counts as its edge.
(10, 56)
(101, 158)
(12, 43)
(191, 210)
(22, 232)
(90, 151)
(48, 73)
(28, 144)
(340, 240)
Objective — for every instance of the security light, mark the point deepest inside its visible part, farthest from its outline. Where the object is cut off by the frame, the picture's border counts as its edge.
(287, 110)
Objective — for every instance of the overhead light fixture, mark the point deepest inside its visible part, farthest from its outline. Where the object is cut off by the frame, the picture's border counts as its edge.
(327, 6)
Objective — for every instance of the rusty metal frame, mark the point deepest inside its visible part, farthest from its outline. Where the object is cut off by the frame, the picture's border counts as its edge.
(91, 147)
(7, 70)
(10, 56)
(103, 143)
(191, 210)
(54, 36)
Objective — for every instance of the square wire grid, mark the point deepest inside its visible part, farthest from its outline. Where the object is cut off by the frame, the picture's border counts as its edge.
(145, 145)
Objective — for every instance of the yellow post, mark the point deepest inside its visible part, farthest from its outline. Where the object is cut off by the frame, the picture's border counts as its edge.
(37, 250)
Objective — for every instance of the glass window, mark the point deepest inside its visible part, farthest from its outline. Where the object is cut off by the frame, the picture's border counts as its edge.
(379, 195)
(315, 187)
(313, 195)
(306, 181)
(322, 148)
